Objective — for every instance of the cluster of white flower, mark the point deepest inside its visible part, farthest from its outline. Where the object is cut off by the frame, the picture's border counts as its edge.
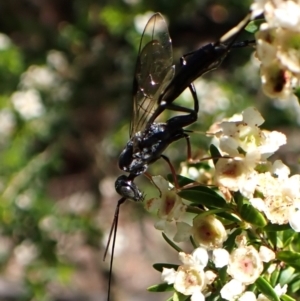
(36, 79)
(281, 196)
(244, 265)
(278, 45)
(248, 148)
(245, 145)
(242, 167)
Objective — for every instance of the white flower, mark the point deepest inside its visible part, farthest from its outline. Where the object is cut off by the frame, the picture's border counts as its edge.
(288, 52)
(58, 60)
(238, 173)
(201, 175)
(272, 268)
(26, 252)
(255, 139)
(258, 203)
(278, 46)
(241, 139)
(231, 290)
(280, 195)
(210, 277)
(5, 41)
(24, 201)
(39, 77)
(184, 232)
(266, 50)
(284, 14)
(266, 254)
(247, 296)
(271, 143)
(262, 297)
(168, 275)
(244, 131)
(209, 232)
(245, 265)
(28, 104)
(197, 296)
(190, 278)
(168, 206)
(277, 81)
(220, 257)
(280, 290)
(257, 8)
(241, 240)
(280, 170)
(294, 217)
(49, 223)
(198, 258)
(241, 134)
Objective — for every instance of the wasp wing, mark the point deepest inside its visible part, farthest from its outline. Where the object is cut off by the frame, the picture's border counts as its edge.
(154, 71)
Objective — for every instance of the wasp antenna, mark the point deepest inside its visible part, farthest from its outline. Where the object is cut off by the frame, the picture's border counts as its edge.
(235, 30)
(114, 225)
(112, 233)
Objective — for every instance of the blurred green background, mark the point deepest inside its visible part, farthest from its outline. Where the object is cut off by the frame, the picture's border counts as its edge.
(66, 70)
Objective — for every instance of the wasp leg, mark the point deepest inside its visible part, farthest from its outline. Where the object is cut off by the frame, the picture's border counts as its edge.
(176, 184)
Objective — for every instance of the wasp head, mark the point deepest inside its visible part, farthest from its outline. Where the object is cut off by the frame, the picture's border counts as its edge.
(127, 188)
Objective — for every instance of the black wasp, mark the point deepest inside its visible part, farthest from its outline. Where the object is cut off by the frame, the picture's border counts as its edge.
(154, 90)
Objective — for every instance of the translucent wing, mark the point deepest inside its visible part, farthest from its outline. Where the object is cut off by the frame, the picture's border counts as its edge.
(154, 71)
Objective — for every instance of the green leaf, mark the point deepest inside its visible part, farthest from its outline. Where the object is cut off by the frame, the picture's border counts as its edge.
(274, 277)
(275, 228)
(294, 285)
(159, 266)
(254, 25)
(287, 298)
(182, 181)
(287, 275)
(297, 93)
(223, 276)
(266, 289)
(215, 153)
(229, 217)
(272, 237)
(290, 258)
(194, 244)
(180, 297)
(230, 242)
(239, 200)
(204, 196)
(291, 238)
(162, 287)
(171, 243)
(252, 215)
(214, 297)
